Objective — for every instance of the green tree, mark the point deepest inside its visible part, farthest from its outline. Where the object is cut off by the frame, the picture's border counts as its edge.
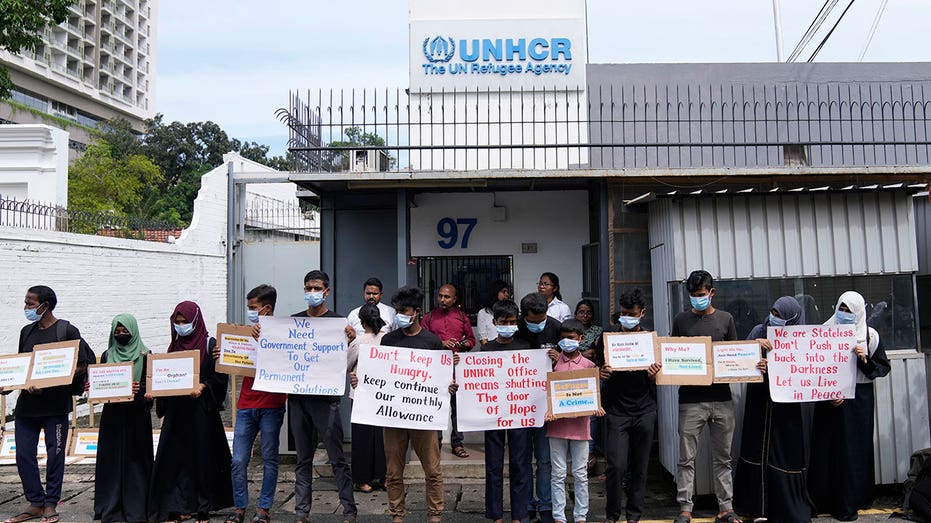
(338, 159)
(98, 182)
(21, 23)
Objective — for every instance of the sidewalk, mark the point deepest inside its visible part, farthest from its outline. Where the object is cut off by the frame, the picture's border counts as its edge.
(464, 488)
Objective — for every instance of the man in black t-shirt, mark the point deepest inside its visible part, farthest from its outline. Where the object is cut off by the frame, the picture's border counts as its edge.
(705, 405)
(44, 409)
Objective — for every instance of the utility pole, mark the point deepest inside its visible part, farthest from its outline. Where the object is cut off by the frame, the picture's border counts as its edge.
(777, 19)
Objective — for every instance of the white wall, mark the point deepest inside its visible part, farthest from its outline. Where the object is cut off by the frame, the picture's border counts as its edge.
(557, 221)
(35, 163)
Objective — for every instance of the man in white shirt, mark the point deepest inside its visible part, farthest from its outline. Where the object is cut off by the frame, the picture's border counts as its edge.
(372, 290)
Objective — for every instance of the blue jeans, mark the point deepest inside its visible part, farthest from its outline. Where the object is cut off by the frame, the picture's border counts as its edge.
(560, 451)
(540, 450)
(250, 422)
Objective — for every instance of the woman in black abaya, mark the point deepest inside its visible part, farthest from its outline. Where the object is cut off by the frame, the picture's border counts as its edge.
(770, 477)
(841, 478)
(192, 465)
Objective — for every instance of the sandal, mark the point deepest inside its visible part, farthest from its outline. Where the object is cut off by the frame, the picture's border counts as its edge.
(52, 517)
(682, 518)
(364, 487)
(728, 517)
(261, 517)
(460, 452)
(237, 517)
(24, 516)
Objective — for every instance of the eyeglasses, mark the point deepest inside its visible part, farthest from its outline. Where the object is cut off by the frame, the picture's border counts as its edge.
(544, 284)
(583, 313)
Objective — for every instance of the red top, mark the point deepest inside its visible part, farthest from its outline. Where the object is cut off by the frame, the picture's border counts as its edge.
(450, 325)
(257, 399)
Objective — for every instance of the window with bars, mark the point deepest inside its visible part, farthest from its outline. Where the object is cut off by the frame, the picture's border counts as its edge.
(471, 275)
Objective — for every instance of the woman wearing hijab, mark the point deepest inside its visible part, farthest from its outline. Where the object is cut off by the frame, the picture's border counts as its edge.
(770, 477)
(192, 465)
(841, 476)
(124, 455)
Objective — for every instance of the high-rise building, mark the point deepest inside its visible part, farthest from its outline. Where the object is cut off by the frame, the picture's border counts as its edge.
(97, 65)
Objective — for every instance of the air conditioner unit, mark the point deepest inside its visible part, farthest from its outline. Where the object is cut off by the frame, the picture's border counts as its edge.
(367, 161)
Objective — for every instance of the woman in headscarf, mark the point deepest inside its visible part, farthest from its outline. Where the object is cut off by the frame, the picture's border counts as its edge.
(841, 476)
(192, 464)
(770, 476)
(124, 441)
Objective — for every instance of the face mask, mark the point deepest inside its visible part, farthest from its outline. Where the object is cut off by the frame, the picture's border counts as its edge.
(568, 345)
(776, 321)
(506, 331)
(252, 316)
(32, 315)
(700, 303)
(404, 321)
(536, 327)
(184, 329)
(845, 318)
(629, 322)
(313, 299)
(123, 339)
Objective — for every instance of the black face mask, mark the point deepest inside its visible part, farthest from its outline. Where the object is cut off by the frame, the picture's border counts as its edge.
(123, 339)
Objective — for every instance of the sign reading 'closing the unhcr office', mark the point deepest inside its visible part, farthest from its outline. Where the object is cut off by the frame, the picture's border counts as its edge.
(498, 54)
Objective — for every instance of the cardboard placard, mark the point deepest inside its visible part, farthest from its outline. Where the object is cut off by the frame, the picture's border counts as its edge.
(237, 349)
(501, 389)
(110, 382)
(14, 371)
(812, 363)
(53, 364)
(685, 360)
(736, 361)
(626, 351)
(8, 445)
(173, 373)
(83, 443)
(573, 393)
(156, 435)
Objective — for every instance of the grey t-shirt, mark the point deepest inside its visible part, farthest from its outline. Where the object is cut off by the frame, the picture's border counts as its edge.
(720, 326)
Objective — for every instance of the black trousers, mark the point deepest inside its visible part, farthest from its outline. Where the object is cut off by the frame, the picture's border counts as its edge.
(627, 436)
(27, 463)
(518, 442)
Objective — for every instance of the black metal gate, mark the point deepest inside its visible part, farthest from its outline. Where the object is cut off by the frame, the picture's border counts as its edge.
(472, 275)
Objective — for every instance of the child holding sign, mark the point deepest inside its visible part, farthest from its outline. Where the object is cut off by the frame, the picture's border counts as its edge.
(569, 436)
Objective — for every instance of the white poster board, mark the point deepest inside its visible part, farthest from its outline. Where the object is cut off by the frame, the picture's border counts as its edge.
(173, 373)
(812, 363)
(110, 382)
(53, 364)
(501, 389)
(299, 355)
(736, 362)
(630, 350)
(403, 388)
(14, 370)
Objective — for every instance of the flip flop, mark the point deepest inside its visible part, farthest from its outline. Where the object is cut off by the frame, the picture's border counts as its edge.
(24, 516)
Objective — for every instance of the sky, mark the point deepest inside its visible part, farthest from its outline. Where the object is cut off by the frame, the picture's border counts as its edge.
(234, 64)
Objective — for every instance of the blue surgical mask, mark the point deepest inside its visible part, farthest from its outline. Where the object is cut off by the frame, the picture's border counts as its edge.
(845, 318)
(536, 327)
(776, 321)
(506, 331)
(32, 315)
(404, 321)
(313, 299)
(629, 322)
(700, 303)
(568, 345)
(184, 329)
(252, 316)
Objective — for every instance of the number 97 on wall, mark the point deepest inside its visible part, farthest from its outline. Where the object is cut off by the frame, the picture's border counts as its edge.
(455, 232)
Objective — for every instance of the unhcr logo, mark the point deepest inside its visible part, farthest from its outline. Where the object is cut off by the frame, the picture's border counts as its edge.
(439, 49)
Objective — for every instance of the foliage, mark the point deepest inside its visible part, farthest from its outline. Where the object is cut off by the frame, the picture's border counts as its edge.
(338, 160)
(21, 23)
(99, 182)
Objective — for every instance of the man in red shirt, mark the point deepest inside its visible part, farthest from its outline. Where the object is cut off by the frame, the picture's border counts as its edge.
(451, 325)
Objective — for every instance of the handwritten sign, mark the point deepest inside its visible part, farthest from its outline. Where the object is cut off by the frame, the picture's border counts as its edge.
(685, 361)
(735, 362)
(84, 442)
(237, 349)
(501, 389)
(53, 364)
(403, 388)
(174, 373)
(8, 445)
(573, 393)
(302, 356)
(110, 382)
(812, 363)
(630, 350)
(14, 370)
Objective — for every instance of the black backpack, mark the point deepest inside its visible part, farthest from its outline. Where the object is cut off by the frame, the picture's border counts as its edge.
(917, 502)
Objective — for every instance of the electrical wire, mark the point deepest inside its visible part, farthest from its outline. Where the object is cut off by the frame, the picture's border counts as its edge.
(813, 28)
(869, 39)
(825, 40)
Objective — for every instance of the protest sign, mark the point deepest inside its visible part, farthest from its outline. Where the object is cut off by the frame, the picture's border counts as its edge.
(84, 443)
(53, 364)
(14, 371)
(110, 382)
(812, 363)
(501, 389)
(403, 388)
(237, 349)
(173, 373)
(299, 355)
(573, 393)
(685, 361)
(630, 350)
(8, 445)
(736, 361)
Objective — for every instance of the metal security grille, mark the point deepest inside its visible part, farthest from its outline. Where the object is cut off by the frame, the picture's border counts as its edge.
(472, 276)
